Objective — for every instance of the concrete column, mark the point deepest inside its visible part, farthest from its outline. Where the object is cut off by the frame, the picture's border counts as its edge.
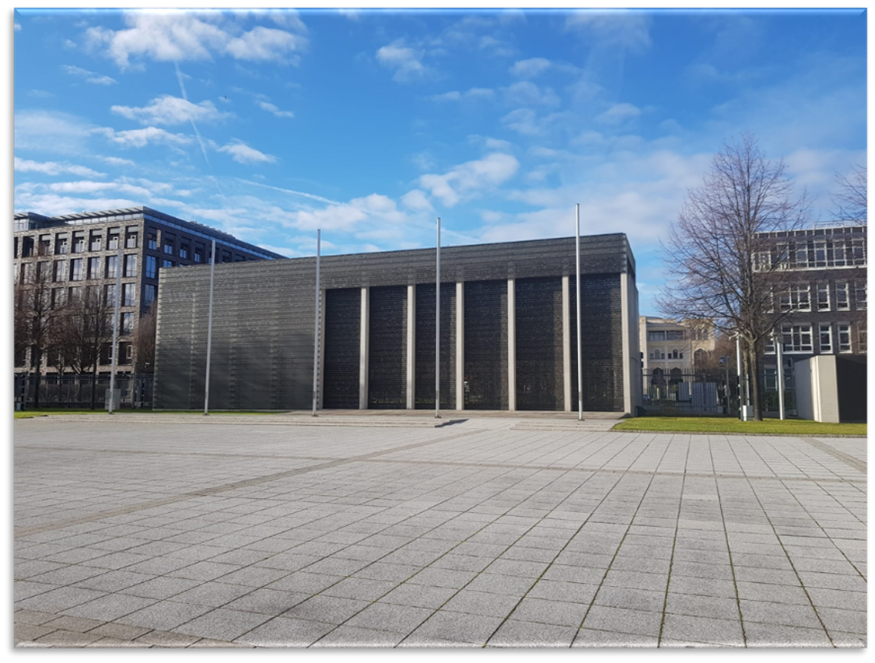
(511, 345)
(460, 345)
(566, 343)
(411, 347)
(364, 338)
(321, 393)
(627, 343)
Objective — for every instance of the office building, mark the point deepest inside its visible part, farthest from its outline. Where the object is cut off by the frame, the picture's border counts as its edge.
(79, 251)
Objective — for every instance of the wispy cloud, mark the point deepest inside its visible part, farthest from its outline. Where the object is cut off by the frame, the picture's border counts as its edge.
(530, 68)
(89, 76)
(629, 29)
(176, 36)
(404, 60)
(242, 153)
(271, 108)
(143, 137)
(168, 110)
(53, 168)
(470, 178)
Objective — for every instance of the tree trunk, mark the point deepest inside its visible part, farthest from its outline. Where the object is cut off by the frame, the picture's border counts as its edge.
(39, 361)
(94, 386)
(754, 384)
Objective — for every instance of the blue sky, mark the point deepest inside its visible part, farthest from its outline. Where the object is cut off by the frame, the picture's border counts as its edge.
(369, 124)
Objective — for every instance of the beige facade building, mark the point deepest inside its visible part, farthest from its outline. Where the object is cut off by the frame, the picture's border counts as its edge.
(669, 349)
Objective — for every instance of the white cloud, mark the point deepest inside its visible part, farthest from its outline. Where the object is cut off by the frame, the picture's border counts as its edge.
(176, 36)
(89, 76)
(244, 154)
(619, 113)
(473, 93)
(628, 29)
(404, 60)
(143, 137)
(117, 161)
(50, 130)
(526, 93)
(351, 14)
(270, 108)
(53, 168)
(470, 178)
(416, 200)
(169, 110)
(530, 68)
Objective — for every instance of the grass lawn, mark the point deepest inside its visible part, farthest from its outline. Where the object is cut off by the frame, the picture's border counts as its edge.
(731, 425)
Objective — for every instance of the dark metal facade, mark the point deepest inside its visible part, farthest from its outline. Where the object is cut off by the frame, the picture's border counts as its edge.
(264, 314)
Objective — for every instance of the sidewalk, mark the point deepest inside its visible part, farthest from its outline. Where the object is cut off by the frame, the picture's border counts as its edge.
(497, 531)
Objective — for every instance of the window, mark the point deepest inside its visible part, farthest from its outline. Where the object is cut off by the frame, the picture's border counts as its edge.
(27, 247)
(656, 336)
(78, 242)
(860, 295)
(151, 267)
(94, 241)
(125, 351)
(43, 269)
(183, 251)
(109, 294)
(842, 300)
(797, 338)
(835, 253)
(825, 332)
(130, 268)
(60, 271)
(770, 378)
(76, 269)
(674, 335)
(57, 297)
(127, 324)
(167, 243)
(149, 293)
(801, 255)
(823, 296)
(128, 294)
(152, 240)
(94, 268)
(167, 263)
(844, 337)
(131, 239)
(198, 254)
(861, 337)
(74, 293)
(111, 266)
(60, 244)
(226, 256)
(796, 298)
(858, 251)
(45, 245)
(15, 243)
(820, 253)
(112, 241)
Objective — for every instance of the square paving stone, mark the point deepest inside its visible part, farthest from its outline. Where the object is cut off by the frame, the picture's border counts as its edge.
(458, 627)
(587, 637)
(620, 620)
(702, 606)
(358, 637)
(164, 615)
(514, 633)
(631, 599)
(268, 601)
(702, 629)
(772, 635)
(419, 596)
(329, 609)
(109, 608)
(481, 603)
(550, 612)
(390, 617)
(222, 624)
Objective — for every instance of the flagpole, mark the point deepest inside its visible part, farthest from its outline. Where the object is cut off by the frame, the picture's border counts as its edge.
(209, 332)
(579, 358)
(316, 333)
(437, 325)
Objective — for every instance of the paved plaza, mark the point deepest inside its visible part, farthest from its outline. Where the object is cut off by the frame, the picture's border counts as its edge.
(284, 531)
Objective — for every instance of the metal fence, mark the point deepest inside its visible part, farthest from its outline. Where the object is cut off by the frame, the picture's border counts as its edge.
(74, 391)
(675, 393)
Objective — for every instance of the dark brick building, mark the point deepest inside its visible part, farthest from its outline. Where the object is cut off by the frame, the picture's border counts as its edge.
(508, 335)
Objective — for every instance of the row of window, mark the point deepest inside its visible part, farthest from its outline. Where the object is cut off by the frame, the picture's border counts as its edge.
(60, 296)
(79, 269)
(672, 354)
(813, 254)
(798, 297)
(182, 248)
(76, 242)
(830, 338)
(125, 356)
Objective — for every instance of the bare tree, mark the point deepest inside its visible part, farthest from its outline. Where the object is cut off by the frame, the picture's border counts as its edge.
(34, 314)
(144, 342)
(850, 201)
(82, 331)
(720, 266)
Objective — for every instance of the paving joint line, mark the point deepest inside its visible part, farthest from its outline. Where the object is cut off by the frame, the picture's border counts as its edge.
(203, 492)
(856, 463)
